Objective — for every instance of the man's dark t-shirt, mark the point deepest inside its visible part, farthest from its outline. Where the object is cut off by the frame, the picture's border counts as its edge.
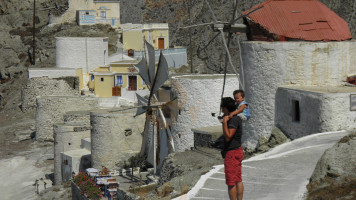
(236, 123)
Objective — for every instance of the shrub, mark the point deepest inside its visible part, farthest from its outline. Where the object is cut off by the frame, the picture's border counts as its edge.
(87, 186)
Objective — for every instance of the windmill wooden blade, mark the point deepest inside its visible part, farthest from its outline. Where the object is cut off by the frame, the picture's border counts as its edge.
(211, 11)
(168, 130)
(171, 110)
(227, 52)
(204, 24)
(161, 75)
(142, 70)
(150, 58)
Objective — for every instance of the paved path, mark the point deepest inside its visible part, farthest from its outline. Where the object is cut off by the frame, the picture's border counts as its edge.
(281, 173)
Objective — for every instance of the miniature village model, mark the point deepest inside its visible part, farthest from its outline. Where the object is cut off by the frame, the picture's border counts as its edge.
(109, 115)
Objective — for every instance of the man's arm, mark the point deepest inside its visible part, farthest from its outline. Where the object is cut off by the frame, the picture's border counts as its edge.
(238, 111)
(228, 132)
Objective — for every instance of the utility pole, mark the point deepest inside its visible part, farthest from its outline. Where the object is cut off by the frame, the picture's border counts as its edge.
(190, 42)
(34, 34)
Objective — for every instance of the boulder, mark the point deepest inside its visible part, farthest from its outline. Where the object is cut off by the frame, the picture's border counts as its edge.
(335, 172)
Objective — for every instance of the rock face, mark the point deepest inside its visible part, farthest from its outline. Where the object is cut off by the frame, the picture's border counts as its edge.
(131, 11)
(335, 173)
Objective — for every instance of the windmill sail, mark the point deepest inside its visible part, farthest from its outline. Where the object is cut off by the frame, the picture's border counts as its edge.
(161, 75)
(143, 103)
(142, 70)
(150, 57)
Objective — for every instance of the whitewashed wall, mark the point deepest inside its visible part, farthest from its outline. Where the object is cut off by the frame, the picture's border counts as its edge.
(268, 65)
(67, 137)
(109, 144)
(84, 53)
(321, 110)
(78, 161)
(51, 72)
(199, 96)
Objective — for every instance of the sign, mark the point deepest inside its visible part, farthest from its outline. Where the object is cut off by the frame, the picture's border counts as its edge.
(132, 70)
(353, 102)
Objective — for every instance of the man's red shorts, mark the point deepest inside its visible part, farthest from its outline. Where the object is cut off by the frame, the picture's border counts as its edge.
(232, 163)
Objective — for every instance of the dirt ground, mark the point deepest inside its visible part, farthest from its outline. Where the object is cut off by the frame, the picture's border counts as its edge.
(22, 160)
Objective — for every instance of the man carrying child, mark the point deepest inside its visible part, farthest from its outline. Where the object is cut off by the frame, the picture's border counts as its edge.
(232, 151)
(243, 110)
(235, 112)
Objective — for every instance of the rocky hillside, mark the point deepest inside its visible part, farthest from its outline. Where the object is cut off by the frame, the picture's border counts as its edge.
(16, 43)
(16, 33)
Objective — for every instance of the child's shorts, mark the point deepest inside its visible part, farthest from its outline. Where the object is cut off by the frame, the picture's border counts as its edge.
(243, 117)
(232, 163)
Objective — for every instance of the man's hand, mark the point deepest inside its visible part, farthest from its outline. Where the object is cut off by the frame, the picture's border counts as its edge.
(226, 118)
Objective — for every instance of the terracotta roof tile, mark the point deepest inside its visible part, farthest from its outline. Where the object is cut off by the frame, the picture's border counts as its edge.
(300, 19)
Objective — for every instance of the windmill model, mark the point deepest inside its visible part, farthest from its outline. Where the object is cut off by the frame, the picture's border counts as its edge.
(160, 110)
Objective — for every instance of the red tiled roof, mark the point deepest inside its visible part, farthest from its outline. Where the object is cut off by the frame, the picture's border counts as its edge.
(300, 19)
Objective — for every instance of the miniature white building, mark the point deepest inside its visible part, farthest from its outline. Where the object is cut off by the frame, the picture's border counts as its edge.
(199, 104)
(279, 75)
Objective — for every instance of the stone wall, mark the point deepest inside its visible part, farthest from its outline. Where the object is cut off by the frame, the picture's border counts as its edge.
(44, 86)
(199, 98)
(51, 72)
(269, 65)
(77, 116)
(50, 110)
(70, 14)
(67, 137)
(318, 111)
(82, 53)
(115, 136)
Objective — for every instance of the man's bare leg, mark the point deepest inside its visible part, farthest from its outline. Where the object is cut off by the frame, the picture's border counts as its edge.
(232, 192)
(240, 190)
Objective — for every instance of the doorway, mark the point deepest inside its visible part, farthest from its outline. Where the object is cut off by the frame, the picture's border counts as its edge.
(160, 43)
(132, 83)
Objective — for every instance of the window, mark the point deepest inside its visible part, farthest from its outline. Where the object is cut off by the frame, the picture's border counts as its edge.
(119, 80)
(92, 77)
(102, 79)
(295, 111)
(103, 14)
